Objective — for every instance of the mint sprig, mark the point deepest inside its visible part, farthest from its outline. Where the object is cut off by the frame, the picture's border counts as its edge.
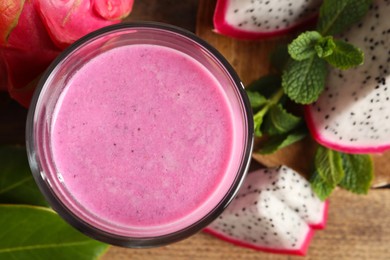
(353, 172)
(303, 81)
(279, 121)
(304, 46)
(320, 186)
(329, 166)
(300, 70)
(272, 120)
(358, 170)
(305, 73)
(260, 115)
(345, 55)
(277, 142)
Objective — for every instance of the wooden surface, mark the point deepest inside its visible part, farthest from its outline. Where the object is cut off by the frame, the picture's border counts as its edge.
(358, 226)
(356, 229)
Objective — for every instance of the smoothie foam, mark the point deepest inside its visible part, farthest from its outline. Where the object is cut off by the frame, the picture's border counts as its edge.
(142, 135)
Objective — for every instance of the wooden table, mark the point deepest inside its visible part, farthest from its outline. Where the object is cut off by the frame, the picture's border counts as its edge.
(358, 226)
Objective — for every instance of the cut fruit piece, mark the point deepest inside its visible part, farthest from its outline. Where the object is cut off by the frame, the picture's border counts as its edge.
(264, 223)
(258, 19)
(274, 211)
(352, 115)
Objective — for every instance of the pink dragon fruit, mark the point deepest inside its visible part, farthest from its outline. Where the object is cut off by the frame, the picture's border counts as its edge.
(353, 113)
(10, 11)
(258, 19)
(274, 211)
(34, 32)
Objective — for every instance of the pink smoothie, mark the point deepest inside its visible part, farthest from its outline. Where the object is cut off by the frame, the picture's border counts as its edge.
(142, 136)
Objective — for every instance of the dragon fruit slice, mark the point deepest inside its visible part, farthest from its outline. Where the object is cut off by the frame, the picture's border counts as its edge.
(257, 19)
(293, 190)
(274, 212)
(353, 113)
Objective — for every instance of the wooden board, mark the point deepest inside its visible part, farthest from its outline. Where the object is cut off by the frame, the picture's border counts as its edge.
(358, 226)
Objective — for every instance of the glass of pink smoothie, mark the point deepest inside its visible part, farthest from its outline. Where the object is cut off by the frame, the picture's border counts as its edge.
(139, 134)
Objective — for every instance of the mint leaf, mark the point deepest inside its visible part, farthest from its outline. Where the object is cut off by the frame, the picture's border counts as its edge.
(303, 81)
(256, 99)
(358, 173)
(302, 47)
(328, 164)
(258, 121)
(278, 142)
(279, 121)
(345, 56)
(266, 85)
(17, 185)
(325, 47)
(337, 15)
(320, 187)
(258, 118)
(279, 57)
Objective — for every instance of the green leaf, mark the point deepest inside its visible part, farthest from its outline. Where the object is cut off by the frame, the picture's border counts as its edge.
(256, 99)
(358, 173)
(30, 232)
(328, 164)
(266, 85)
(258, 118)
(337, 15)
(279, 121)
(258, 121)
(325, 47)
(345, 56)
(303, 81)
(320, 187)
(302, 47)
(278, 142)
(279, 57)
(16, 181)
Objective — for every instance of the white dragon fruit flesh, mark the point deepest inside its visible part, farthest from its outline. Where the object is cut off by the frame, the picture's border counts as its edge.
(258, 19)
(274, 211)
(353, 113)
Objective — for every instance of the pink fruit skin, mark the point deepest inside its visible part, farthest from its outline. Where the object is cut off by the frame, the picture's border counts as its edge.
(302, 251)
(3, 74)
(44, 29)
(316, 134)
(67, 21)
(113, 9)
(222, 27)
(25, 58)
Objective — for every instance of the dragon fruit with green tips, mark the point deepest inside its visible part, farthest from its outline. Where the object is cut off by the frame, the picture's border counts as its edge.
(34, 32)
(353, 113)
(274, 211)
(258, 19)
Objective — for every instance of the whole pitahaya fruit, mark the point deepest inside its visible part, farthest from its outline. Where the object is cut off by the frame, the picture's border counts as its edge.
(353, 113)
(34, 32)
(258, 19)
(274, 211)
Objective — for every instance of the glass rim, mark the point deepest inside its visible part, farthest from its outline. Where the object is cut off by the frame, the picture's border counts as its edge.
(119, 240)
